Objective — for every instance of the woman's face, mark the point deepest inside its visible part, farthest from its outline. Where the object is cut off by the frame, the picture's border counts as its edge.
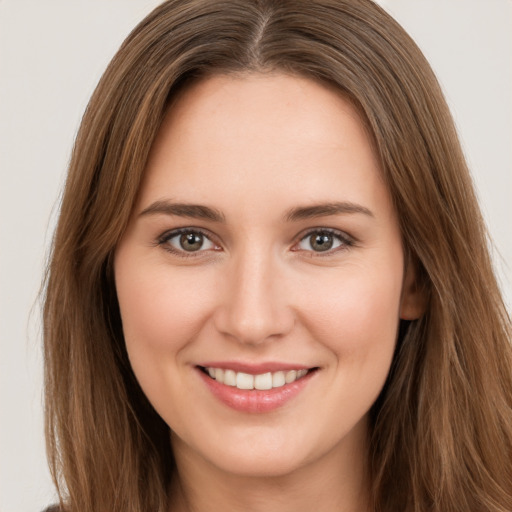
(264, 246)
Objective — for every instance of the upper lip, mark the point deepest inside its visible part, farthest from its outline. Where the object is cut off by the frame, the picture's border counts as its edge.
(255, 368)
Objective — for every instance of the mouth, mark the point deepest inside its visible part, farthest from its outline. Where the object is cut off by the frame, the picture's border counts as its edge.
(261, 381)
(255, 390)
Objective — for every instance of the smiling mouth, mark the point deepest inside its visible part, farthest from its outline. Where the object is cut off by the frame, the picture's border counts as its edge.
(262, 381)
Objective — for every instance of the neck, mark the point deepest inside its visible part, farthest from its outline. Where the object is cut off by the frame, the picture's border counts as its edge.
(336, 482)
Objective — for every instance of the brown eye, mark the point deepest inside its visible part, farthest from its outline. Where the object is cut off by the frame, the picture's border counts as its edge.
(324, 241)
(321, 242)
(186, 241)
(191, 241)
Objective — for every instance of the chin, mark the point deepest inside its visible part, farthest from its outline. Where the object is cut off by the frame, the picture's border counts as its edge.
(263, 465)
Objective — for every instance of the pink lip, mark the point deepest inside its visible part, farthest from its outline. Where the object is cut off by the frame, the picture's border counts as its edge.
(255, 400)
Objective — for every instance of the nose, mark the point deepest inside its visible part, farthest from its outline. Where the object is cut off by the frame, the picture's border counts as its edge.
(253, 303)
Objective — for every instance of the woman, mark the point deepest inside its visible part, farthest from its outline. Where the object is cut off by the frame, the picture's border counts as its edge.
(270, 287)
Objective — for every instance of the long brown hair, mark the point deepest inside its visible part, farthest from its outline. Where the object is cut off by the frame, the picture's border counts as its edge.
(441, 431)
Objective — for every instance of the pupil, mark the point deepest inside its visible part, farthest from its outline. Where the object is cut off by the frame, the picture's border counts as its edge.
(321, 242)
(191, 241)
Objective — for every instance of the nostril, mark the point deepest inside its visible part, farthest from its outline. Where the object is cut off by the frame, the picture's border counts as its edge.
(254, 326)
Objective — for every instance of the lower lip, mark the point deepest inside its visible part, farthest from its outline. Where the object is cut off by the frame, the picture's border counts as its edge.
(255, 400)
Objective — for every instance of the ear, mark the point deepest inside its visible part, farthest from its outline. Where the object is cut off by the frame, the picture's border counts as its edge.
(413, 300)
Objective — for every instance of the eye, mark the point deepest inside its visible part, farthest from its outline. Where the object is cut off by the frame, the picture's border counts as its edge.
(186, 241)
(324, 240)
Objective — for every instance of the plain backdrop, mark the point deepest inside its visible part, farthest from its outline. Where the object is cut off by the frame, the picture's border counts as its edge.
(52, 53)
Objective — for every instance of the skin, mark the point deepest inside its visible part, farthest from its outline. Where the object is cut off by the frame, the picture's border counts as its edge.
(253, 148)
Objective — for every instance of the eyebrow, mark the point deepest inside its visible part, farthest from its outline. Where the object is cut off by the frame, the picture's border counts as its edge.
(326, 209)
(198, 211)
(192, 211)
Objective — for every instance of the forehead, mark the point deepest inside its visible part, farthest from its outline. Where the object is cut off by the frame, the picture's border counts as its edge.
(295, 106)
(236, 135)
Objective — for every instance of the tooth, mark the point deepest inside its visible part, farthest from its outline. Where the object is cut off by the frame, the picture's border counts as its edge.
(244, 381)
(290, 376)
(278, 380)
(263, 381)
(230, 378)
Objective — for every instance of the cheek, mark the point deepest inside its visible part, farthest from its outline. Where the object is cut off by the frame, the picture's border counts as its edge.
(161, 311)
(358, 315)
(161, 314)
(357, 322)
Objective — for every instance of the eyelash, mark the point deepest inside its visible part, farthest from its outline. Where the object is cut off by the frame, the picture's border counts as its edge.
(345, 241)
(165, 238)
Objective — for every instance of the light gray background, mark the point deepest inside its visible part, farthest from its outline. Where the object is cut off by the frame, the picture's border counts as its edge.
(52, 53)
